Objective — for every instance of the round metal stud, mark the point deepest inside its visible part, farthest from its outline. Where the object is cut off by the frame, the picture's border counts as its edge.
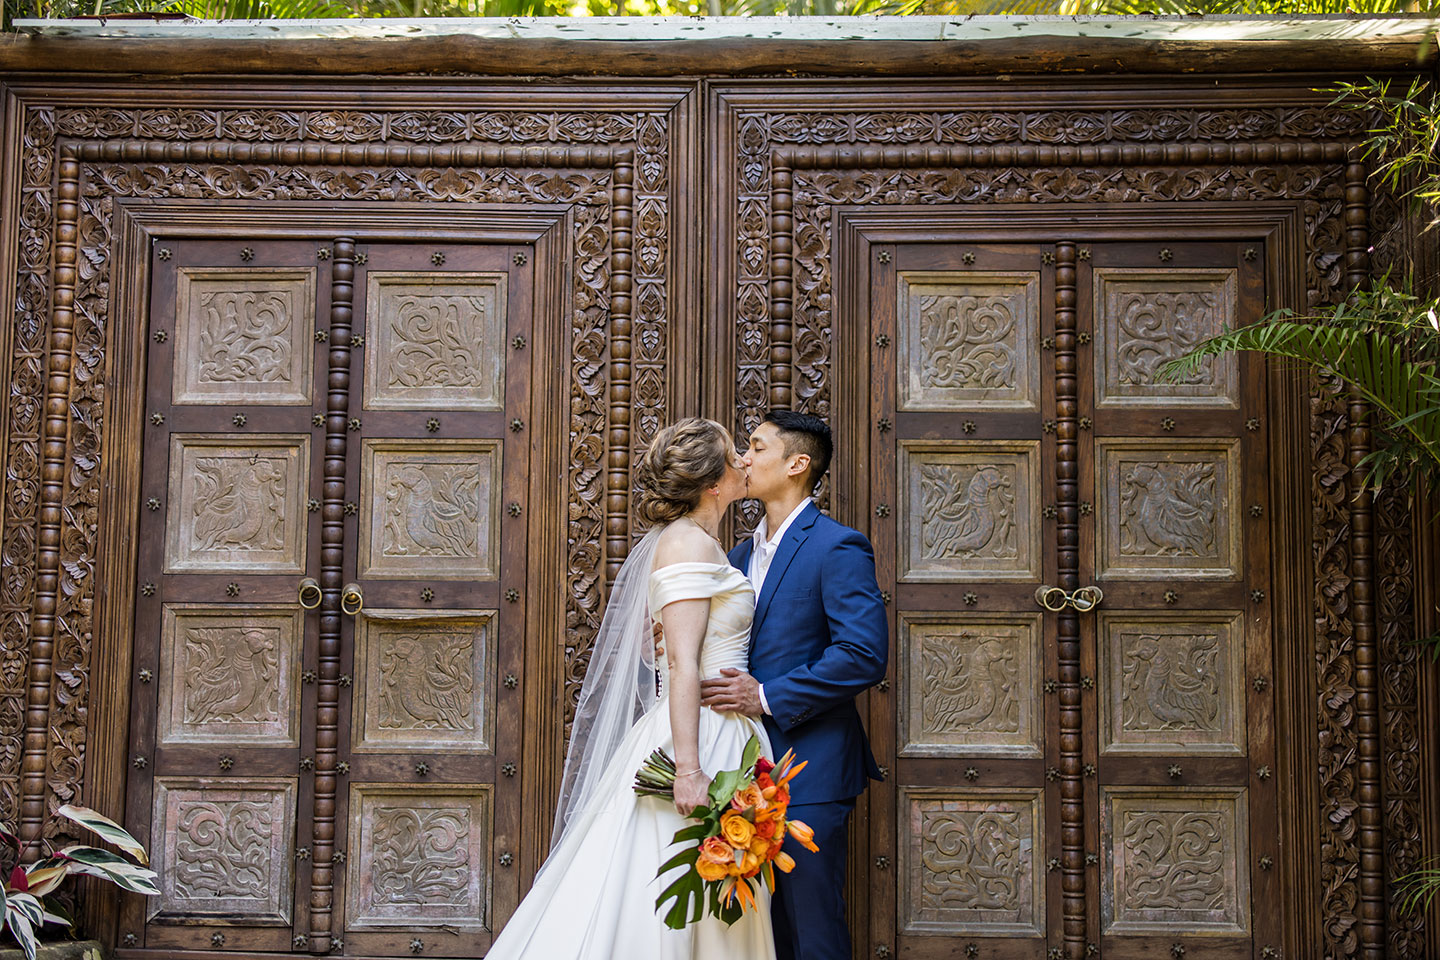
(1176, 949)
(361, 256)
(520, 259)
(153, 503)
(1088, 770)
(321, 336)
(882, 340)
(1252, 424)
(971, 773)
(883, 256)
(1086, 508)
(1256, 510)
(1047, 257)
(1083, 337)
(437, 258)
(238, 419)
(232, 589)
(351, 508)
(433, 424)
(344, 680)
(140, 763)
(1269, 953)
(1249, 254)
(1167, 424)
(1083, 253)
(323, 253)
(1053, 864)
(1048, 511)
(1054, 953)
(1166, 254)
(967, 258)
(968, 426)
(147, 589)
(1171, 597)
(1087, 683)
(426, 594)
(971, 599)
(1257, 595)
(353, 423)
(339, 856)
(165, 253)
(883, 425)
(130, 939)
(309, 676)
(146, 676)
(882, 863)
(422, 768)
(157, 418)
(343, 767)
(1048, 426)
(357, 340)
(300, 941)
(161, 336)
(1263, 773)
(513, 508)
(883, 685)
(518, 342)
(1267, 863)
(884, 771)
(312, 504)
(882, 510)
(247, 254)
(971, 950)
(1091, 859)
(510, 681)
(226, 763)
(506, 859)
(416, 945)
(1047, 343)
(1174, 771)
(307, 763)
(218, 939)
(1052, 774)
(508, 769)
(1260, 683)
(885, 597)
(318, 419)
(882, 951)
(1050, 686)
(516, 425)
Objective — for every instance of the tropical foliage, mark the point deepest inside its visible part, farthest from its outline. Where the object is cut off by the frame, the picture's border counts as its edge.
(23, 896)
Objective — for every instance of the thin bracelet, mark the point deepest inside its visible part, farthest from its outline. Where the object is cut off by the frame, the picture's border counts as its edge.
(686, 773)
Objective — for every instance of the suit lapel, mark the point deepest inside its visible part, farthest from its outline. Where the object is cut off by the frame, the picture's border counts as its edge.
(789, 546)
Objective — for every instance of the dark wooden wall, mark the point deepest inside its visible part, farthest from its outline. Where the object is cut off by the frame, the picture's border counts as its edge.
(701, 221)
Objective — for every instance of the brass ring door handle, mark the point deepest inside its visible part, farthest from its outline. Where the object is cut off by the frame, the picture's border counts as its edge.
(352, 599)
(1082, 600)
(310, 595)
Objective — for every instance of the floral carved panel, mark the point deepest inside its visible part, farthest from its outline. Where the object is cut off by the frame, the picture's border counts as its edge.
(435, 341)
(1146, 318)
(969, 340)
(421, 682)
(424, 855)
(428, 508)
(244, 335)
(224, 851)
(228, 674)
(236, 504)
(969, 685)
(969, 510)
(1172, 683)
(1175, 861)
(969, 862)
(1167, 509)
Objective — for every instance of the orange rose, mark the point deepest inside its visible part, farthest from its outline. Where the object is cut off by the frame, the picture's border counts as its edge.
(710, 870)
(749, 798)
(765, 827)
(736, 829)
(716, 850)
(749, 864)
(760, 846)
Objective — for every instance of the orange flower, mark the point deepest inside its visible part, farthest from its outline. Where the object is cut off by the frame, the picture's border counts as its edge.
(717, 851)
(763, 780)
(736, 829)
(749, 864)
(784, 862)
(748, 798)
(802, 834)
(766, 827)
(709, 870)
(760, 846)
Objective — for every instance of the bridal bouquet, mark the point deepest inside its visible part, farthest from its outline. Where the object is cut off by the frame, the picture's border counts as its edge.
(736, 839)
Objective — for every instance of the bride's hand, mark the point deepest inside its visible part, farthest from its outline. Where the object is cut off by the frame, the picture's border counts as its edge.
(691, 790)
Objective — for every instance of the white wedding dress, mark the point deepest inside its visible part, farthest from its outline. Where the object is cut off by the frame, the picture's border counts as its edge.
(595, 896)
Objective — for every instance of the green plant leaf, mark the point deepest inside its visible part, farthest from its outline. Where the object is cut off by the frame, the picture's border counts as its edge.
(44, 877)
(21, 929)
(95, 862)
(106, 828)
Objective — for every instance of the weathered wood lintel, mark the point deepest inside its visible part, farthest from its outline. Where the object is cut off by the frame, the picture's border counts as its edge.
(759, 46)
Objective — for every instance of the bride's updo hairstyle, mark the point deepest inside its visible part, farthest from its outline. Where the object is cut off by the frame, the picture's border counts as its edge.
(683, 459)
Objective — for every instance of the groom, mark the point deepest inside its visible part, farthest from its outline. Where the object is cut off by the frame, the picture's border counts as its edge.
(819, 638)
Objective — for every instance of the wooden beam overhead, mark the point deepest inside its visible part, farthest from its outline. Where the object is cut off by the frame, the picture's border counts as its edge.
(726, 46)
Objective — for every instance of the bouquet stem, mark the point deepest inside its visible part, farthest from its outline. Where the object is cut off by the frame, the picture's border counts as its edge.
(656, 776)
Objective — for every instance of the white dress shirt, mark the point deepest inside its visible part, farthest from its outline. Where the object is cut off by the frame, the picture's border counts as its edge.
(761, 556)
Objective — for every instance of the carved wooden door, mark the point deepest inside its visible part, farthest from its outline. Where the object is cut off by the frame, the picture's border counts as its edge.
(1068, 776)
(329, 607)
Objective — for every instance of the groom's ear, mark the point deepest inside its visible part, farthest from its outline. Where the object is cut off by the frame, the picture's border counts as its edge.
(799, 465)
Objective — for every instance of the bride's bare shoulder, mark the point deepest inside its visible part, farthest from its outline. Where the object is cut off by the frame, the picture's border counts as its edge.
(684, 542)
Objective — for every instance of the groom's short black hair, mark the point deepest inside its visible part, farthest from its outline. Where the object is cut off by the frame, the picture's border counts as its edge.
(802, 433)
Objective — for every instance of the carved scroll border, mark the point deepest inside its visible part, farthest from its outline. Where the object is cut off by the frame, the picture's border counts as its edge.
(784, 190)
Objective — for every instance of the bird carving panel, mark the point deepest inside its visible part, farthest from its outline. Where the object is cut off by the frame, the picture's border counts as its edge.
(969, 510)
(1167, 508)
(231, 674)
(428, 508)
(236, 506)
(970, 684)
(1173, 683)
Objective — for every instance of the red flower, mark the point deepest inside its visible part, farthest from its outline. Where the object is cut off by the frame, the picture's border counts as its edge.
(763, 766)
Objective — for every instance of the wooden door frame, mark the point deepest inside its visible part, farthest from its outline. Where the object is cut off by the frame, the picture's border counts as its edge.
(137, 222)
(1279, 225)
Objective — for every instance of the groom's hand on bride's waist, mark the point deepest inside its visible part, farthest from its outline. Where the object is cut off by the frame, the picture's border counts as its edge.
(734, 691)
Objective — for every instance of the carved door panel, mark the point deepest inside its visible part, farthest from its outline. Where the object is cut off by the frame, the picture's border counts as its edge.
(1067, 781)
(964, 823)
(429, 812)
(321, 769)
(218, 706)
(1178, 541)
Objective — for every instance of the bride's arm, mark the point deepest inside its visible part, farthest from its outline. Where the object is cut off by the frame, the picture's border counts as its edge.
(685, 622)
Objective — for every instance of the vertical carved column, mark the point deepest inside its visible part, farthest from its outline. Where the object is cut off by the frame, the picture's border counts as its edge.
(332, 551)
(1362, 603)
(1067, 475)
(52, 486)
(617, 477)
(782, 266)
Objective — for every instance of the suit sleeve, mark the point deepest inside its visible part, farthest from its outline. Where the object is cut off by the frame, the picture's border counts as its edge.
(859, 638)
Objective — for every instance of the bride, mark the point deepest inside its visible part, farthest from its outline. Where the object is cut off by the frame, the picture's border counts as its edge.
(595, 895)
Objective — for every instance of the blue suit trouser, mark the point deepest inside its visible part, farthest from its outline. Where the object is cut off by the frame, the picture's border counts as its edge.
(809, 906)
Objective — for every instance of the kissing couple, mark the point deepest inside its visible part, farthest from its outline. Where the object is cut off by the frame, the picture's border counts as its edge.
(774, 641)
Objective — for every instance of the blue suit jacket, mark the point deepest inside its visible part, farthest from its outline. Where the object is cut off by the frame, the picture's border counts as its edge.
(820, 637)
